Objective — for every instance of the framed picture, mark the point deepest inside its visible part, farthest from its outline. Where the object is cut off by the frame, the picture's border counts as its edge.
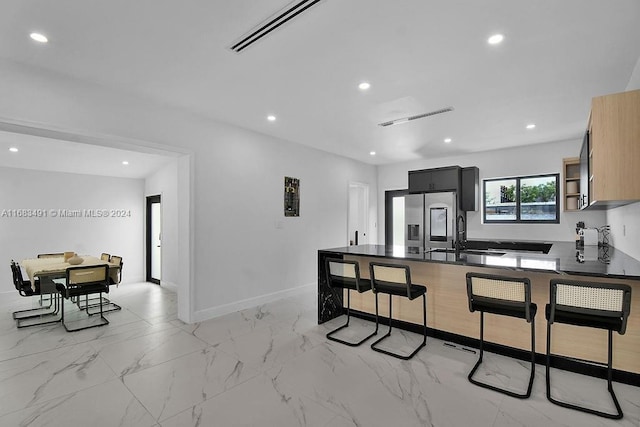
(291, 196)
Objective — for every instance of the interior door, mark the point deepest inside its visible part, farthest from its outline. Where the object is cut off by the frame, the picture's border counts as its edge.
(395, 229)
(154, 239)
(358, 221)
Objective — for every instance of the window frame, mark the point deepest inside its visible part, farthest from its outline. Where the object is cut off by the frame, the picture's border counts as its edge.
(518, 219)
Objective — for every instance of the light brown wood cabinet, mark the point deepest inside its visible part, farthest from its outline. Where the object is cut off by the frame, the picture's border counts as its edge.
(571, 180)
(614, 149)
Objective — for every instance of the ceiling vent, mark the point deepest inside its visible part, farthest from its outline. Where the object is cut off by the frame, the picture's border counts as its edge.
(417, 116)
(272, 23)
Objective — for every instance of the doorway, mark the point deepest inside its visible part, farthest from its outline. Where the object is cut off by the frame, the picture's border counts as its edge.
(154, 239)
(394, 217)
(358, 214)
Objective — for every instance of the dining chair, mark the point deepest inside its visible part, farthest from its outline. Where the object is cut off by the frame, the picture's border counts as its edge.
(53, 255)
(107, 304)
(85, 280)
(24, 289)
(115, 259)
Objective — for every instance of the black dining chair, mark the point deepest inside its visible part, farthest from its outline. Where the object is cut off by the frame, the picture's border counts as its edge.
(107, 304)
(115, 259)
(83, 281)
(24, 318)
(52, 255)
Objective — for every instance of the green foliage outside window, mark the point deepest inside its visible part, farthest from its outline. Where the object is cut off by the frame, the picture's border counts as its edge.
(538, 193)
(524, 199)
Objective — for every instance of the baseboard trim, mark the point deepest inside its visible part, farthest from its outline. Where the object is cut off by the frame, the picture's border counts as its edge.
(169, 286)
(559, 362)
(138, 279)
(221, 310)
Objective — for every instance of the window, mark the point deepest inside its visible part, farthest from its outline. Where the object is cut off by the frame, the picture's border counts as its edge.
(526, 199)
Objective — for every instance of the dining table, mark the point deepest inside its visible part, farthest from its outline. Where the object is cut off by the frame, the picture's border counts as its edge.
(51, 269)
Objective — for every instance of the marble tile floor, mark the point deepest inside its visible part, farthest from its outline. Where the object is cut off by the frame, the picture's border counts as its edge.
(266, 366)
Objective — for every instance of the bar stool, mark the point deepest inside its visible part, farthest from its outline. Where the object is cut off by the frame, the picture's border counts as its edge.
(395, 279)
(593, 305)
(504, 296)
(344, 274)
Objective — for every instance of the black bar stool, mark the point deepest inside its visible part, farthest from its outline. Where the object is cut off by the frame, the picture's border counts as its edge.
(395, 279)
(505, 296)
(593, 305)
(344, 274)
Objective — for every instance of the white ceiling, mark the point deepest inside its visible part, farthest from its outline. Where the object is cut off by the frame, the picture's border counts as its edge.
(418, 56)
(41, 153)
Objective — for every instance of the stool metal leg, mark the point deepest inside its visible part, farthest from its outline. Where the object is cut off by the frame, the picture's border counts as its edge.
(501, 390)
(350, 343)
(618, 415)
(424, 340)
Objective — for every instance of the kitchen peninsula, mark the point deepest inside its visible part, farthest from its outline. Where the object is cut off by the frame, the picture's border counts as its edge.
(443, 272)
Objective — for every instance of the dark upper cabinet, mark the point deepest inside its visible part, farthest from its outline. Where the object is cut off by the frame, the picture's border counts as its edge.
(583, 200)
(434, 180)
(469, 188)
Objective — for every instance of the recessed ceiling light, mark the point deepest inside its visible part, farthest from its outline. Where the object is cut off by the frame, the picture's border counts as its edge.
(495, 39)
(364, 86)
(13, 149)
(531, 126)
(271, 118)
(41, 38)
(372, 153)
(125, 162)
(447, 140)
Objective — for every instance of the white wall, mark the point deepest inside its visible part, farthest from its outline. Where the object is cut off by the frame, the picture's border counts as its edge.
(527, 160)
(165, 183)
(625, 229)
(634, 80)
(240, 253)
(236, 188)
(26, 237)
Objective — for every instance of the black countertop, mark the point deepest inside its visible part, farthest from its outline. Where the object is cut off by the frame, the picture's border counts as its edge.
(562, 258)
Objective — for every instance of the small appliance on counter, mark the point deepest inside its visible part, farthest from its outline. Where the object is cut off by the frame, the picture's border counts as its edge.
(588, 237)
(579, 226)
(588, 253)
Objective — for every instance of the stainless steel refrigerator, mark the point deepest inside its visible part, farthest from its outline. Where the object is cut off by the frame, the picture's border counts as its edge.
(430, 221)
